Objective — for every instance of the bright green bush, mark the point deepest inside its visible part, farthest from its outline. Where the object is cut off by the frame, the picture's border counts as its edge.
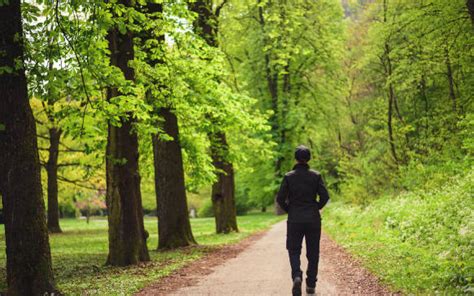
(242, 206)
(418, 242)
(206, 210)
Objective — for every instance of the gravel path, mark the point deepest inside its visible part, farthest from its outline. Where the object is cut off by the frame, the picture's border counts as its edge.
(262, 268)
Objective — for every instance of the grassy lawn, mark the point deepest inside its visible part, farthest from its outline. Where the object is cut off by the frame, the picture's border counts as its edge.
(79, 254)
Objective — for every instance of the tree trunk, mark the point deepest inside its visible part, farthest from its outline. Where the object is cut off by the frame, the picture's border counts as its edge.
(52, 171)
(29, 270)
(88, 213)
(127, 235)
(174, 228)
(223, 190)
(391, 98)
(470, 8)
(223, 195)
(353, 118)
(426, 105)
(271, 77)
(391, 92)
(449, 74)
(390, 125)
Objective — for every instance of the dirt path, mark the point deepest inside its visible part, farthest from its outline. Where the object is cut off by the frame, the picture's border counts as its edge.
(260, 267)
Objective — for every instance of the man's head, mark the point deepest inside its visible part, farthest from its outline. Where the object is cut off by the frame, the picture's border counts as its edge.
(302, 154)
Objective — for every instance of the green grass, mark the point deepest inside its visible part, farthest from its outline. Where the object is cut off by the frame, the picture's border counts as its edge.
(79, 254)
(419, 242)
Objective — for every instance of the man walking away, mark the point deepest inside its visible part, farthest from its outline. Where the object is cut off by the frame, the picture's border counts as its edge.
(297, 197)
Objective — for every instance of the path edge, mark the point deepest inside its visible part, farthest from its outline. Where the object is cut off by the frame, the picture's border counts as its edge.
(190, 273)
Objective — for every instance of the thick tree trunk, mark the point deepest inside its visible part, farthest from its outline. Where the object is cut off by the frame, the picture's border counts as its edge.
(174, 228)
(223, 190)
(127, 235)
(52, 171)
(29, 269)
(223, 195)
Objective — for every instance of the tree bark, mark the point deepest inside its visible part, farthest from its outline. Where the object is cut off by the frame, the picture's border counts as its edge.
(174, 228)
(127, 235)
(223, 190)
(206, 23)
(391, 92)
(272, 78)
(426, 104)
(223, 195)
(52, 171)
(449, 74)
(390, 125)
(470, 8)
(29, 270)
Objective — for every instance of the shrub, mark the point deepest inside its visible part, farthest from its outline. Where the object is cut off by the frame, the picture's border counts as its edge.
(419, 242)
(206, 209)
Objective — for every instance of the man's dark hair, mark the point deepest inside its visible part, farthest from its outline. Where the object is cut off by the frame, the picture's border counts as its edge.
(302, 153)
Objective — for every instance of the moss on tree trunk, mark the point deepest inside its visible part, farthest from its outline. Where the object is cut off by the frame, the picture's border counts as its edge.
(29, 269)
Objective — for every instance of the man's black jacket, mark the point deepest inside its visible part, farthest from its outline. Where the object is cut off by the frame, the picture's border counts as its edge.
(298, 191)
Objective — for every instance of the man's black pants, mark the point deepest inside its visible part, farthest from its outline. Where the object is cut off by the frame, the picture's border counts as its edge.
(294, 238)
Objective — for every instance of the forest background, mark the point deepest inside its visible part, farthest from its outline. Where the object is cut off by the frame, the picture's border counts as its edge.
(380, 91)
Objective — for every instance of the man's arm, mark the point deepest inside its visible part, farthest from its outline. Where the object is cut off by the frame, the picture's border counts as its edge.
(323, 193)
(283, 194)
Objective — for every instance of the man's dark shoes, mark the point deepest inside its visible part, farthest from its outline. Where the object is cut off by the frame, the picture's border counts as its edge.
(310, 291)
(297, 286)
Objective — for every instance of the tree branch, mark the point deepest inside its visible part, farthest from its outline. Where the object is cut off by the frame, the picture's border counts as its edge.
(81, 71)
(69, 164)
(218, 9)
(76, 182)
(42, 137)
(63, 150)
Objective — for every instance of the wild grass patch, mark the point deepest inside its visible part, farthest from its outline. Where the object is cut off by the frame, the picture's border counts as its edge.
(418, 242)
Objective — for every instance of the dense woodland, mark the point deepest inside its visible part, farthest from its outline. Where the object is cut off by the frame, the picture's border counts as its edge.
(135, 106)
